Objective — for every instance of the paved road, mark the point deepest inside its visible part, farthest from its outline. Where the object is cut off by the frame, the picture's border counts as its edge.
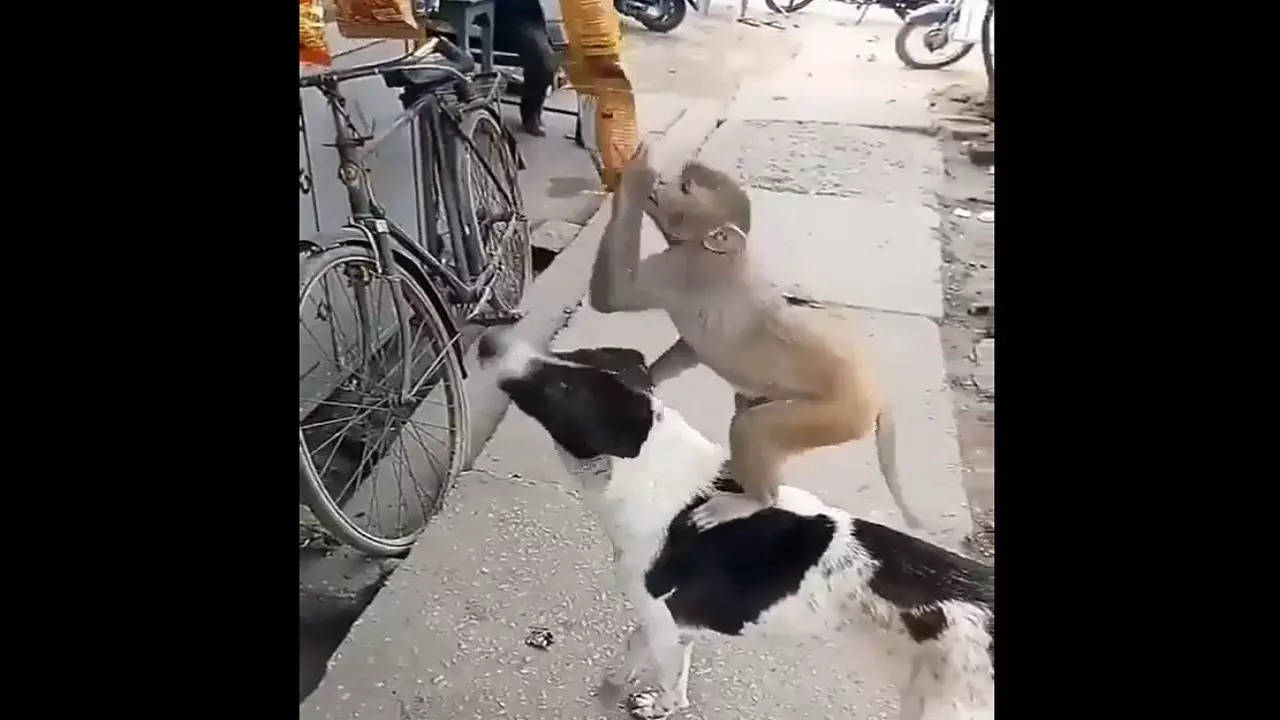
(843, 216)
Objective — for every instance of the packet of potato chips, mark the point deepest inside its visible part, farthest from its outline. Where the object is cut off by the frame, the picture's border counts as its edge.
(312, 48)
(609, 129)
(378, 19)
(606, 103)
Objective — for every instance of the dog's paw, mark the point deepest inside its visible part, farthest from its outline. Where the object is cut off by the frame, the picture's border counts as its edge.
(649, 705)
(722, 509)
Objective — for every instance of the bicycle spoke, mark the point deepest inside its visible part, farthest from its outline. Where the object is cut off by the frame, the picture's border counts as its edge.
(324, 470)
(441, 479)
(365, 454)
(335, 403)
(343, 431)
(352, 417)
(400, 505)
(331, 439)
(319, 344)
(375, 512)
(436, 465)
(414, 425)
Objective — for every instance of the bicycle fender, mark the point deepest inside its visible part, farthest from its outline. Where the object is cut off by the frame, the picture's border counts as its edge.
(346, 235)
(933, 13)
(350, 235)
(410, 265)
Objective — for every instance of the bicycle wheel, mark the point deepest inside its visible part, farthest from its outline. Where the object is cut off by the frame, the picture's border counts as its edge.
(497, 216)
(373, 464)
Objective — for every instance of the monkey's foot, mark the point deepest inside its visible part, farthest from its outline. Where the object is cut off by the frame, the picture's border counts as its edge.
(724, 508)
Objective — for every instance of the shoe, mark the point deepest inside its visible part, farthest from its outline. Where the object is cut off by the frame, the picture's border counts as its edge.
(533, 126)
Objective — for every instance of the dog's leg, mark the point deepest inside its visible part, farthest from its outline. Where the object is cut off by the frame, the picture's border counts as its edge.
(911, 700)
(672, 663)
(635, 656)
(670, 655)
(682, 685)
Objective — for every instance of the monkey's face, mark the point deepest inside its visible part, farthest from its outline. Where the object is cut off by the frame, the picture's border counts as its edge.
(681, 211)
(700, 201)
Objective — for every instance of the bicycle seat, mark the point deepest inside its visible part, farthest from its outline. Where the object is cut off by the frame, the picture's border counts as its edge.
(419, 78)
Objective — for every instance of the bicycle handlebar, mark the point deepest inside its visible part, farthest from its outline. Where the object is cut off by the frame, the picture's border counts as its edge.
(458, 62)
(461, 61)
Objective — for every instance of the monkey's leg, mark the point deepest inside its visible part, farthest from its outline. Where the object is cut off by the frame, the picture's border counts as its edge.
(762, 437)
(677, 358)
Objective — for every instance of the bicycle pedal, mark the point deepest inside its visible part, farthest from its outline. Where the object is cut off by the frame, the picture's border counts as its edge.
(497, 319)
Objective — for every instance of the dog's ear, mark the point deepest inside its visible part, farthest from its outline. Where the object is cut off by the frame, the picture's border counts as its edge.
(627, 363)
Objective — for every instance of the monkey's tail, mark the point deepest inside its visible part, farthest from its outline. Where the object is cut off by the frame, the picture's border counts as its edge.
(887, 454)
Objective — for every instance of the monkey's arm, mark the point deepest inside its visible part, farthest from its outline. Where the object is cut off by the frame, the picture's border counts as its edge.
(677, 358)
(614, 284)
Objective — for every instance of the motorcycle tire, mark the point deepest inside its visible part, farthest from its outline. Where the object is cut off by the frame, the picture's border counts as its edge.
(796, 6)
(669, 21)
(900, 47)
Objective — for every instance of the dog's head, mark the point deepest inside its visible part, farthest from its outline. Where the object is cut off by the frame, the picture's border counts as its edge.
(594, 402)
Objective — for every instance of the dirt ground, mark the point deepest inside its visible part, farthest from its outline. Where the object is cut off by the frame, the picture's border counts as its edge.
(968, 325)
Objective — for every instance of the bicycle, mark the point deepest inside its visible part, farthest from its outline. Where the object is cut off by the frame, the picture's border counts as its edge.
(370, 398)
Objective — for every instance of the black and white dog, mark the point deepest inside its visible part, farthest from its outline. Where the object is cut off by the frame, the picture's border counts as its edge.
(801, 568)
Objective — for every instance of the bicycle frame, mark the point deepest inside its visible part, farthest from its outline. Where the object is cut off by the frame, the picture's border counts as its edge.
(469, 282)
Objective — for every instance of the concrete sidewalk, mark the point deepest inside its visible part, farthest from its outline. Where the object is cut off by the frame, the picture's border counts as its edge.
(841, 216)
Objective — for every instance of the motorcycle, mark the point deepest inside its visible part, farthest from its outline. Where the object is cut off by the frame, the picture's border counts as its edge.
(958, 24)
(900, 7)
(656, 15)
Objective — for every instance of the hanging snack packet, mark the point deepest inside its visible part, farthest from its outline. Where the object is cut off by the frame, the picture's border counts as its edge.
(378, 19)
(311, 46)
(606, 103)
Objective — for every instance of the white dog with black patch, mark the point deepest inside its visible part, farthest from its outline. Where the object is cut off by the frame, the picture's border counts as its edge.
(800, 568)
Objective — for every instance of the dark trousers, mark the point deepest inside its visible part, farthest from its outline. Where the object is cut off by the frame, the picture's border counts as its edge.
(528, 39)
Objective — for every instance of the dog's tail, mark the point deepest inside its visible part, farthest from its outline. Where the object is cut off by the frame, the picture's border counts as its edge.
(887, 454)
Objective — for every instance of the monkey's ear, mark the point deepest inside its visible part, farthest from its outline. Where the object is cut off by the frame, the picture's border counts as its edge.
(726, 238)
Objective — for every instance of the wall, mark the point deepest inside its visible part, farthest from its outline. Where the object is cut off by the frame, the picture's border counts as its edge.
(373, 106)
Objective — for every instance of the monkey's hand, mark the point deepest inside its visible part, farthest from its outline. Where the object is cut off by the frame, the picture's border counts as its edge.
(638, 176)
(722, 508)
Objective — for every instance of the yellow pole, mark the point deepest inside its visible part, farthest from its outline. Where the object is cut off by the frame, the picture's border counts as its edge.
(594, 66)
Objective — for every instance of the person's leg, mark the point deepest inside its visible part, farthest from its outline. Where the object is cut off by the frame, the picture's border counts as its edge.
(538, 63)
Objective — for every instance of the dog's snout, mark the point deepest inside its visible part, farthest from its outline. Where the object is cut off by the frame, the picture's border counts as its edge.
(489, 347)
(511, 356)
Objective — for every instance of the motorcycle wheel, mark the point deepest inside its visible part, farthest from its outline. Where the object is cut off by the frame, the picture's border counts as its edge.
(921, 26)
(672, 15)
(791, 6)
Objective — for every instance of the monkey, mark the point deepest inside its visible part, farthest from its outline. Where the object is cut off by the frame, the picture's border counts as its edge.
(794, 390)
